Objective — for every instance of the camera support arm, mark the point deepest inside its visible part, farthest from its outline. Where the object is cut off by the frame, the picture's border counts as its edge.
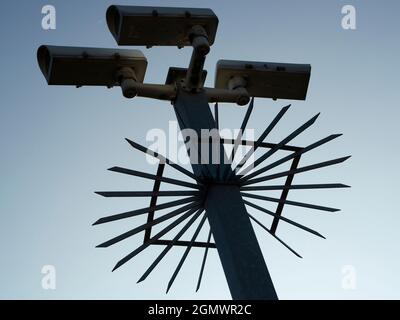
(236, 92)
(131, 88)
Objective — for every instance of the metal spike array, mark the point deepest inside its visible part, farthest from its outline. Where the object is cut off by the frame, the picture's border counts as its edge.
(190, 208)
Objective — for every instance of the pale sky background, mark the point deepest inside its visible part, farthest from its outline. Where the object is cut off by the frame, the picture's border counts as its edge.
(57, 142)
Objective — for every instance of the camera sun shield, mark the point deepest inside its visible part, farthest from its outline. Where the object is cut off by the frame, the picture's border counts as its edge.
(265, 79)
(159, 26)
(88, 66)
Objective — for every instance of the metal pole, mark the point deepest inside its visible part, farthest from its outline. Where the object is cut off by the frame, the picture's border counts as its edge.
(241, 257)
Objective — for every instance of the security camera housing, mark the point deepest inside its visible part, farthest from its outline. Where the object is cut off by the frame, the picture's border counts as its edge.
(265, 79)
(88, 66)
(159, 26)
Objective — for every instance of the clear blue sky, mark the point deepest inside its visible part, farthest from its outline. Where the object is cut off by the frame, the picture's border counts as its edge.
(56, 144)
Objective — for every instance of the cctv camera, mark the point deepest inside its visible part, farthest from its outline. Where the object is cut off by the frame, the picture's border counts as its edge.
(264, 79)
(90, 66)
(160, 26)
